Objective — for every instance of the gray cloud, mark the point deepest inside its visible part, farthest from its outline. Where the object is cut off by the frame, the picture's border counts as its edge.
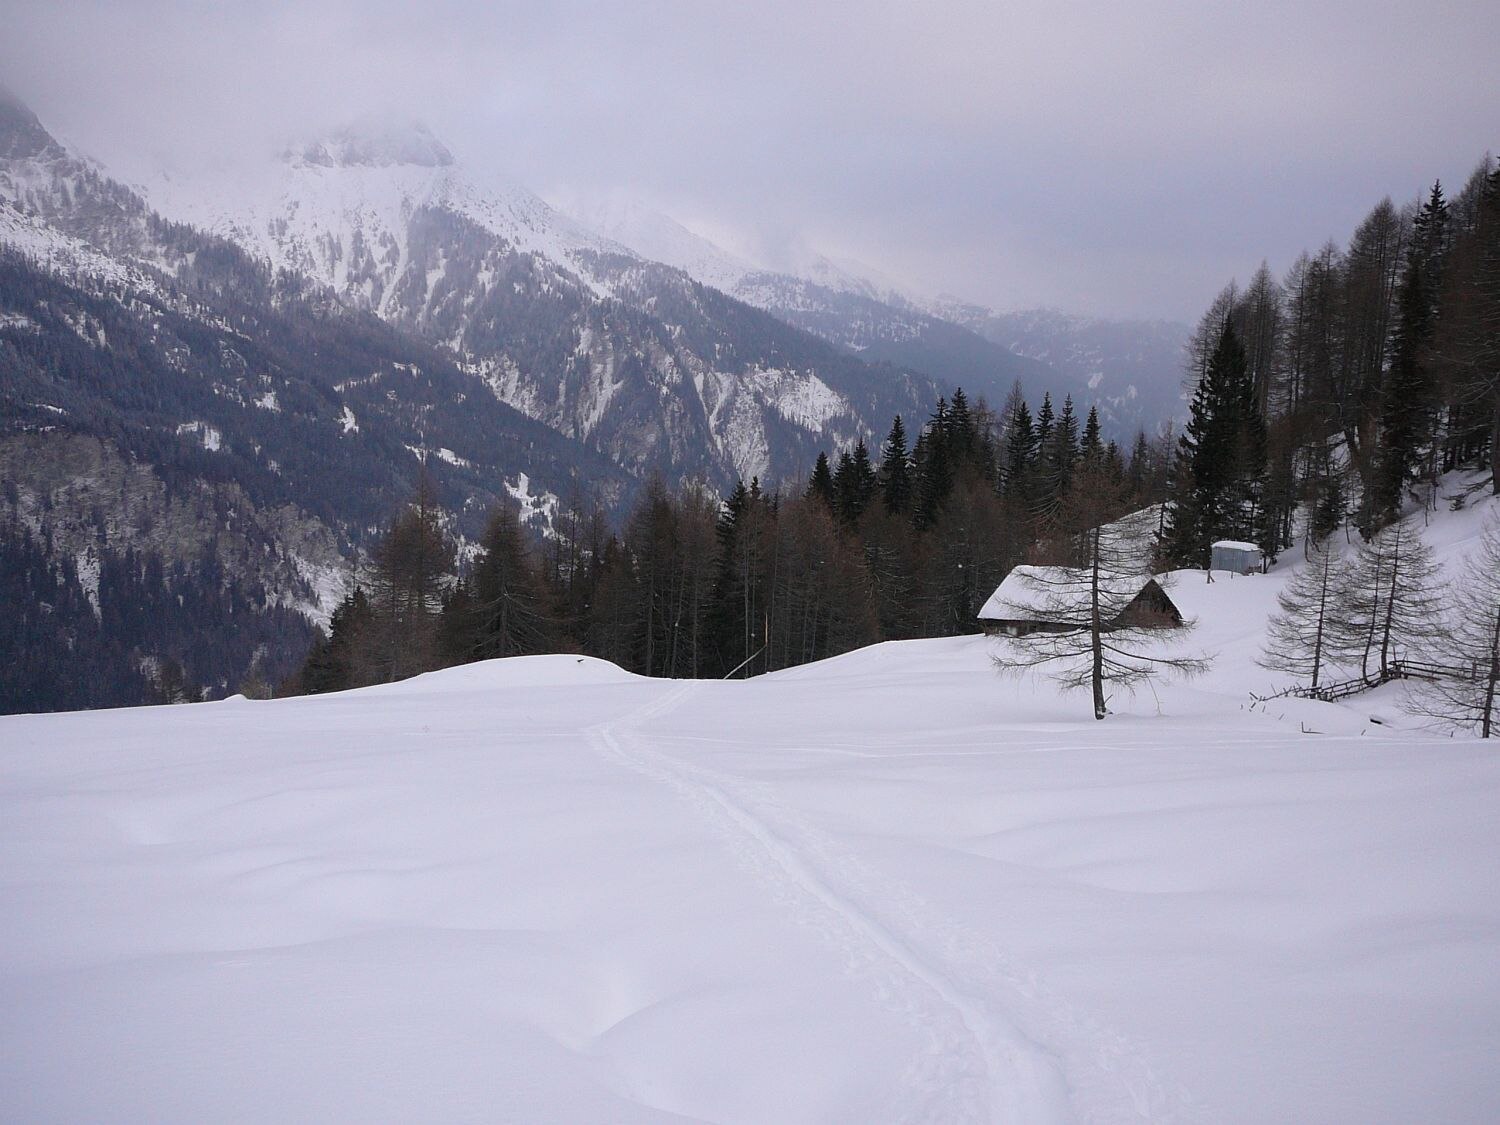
(1101, 157)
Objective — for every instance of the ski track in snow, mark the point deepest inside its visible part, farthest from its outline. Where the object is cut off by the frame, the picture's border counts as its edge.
(1039, 1061)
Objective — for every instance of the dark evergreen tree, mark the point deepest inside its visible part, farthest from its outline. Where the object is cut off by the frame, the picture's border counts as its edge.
(961, 433)
(1466, 344)
(1408, 401)
(854, 485)
(1044, 496)
(934, 469)
(820, 484)
(1091, 449)
(1215, 475)
(342, 658)
(1046, 419)
(895, 470)
(738, 606)
(1018, 479)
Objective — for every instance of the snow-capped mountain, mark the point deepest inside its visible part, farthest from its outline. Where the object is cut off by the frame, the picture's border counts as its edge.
(568, 326)
(178, 424)
(340, 209)
(256, 378)
(1129, 369)
(661, 238)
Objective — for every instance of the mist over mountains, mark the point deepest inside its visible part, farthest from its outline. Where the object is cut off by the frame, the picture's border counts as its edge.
(253, 366)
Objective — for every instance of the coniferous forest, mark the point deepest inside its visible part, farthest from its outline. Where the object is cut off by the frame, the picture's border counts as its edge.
(1349, 386)
(905, 542)
(1342, 390)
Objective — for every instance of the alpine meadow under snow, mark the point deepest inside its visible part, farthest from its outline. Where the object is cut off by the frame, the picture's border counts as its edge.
(537, 630)
(886, 886)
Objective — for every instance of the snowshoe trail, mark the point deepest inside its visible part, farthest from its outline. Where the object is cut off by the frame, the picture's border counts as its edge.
(981, 1063)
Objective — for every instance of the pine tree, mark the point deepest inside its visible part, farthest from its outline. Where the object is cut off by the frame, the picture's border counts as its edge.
(1409, 394)
(1044, 495)
(341, 660)
(853, 485)
(960, 433)
(738, 606)
(1091, 449)
(1331, 504)
(505, 608)
(1466, 345)
(820, 484)
(1058, 456)
(1215, 478)
(934, 469)
(895, 470)
(1045, 420)
(1020, 456)
(612, 632)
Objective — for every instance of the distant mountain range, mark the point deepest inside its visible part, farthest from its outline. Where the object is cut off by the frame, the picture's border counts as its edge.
(253, 368)
(1130, 369)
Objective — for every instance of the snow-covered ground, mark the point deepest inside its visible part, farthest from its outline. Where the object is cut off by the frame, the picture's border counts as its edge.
(886, 887)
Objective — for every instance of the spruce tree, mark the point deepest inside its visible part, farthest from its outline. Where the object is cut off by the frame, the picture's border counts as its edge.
(1409, 394)
(342, 659)
(1212, 491)
(1091, 449)
(1020, 456)
(895, 470)
(1044, 493)
(960, 432)
(934, 468)
(820, 484)
(854, 485)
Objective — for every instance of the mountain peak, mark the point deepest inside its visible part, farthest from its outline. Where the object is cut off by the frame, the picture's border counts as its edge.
(374, 144)
(22, 136)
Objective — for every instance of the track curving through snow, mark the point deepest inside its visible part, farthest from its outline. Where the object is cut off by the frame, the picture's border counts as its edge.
(998, 1048)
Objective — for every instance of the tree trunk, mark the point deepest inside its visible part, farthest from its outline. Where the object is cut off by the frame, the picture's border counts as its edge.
(1094, 627)
(1487, 723)
(1390, 607)
(1495, 447)
(1322, 616)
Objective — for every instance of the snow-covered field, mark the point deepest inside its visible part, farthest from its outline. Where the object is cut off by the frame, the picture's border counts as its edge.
(887, 887)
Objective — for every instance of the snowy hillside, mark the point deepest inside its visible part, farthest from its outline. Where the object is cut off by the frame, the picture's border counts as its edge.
(887, 887)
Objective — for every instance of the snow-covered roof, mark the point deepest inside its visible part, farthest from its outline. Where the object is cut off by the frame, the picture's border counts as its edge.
(1041, 592)
(1236, 545)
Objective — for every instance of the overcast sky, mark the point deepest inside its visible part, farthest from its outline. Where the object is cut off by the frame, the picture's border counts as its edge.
(1122, 158)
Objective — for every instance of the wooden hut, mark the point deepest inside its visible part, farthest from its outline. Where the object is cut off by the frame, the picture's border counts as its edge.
(1049, 599)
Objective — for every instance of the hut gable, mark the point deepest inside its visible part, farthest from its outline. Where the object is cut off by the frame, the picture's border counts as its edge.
(1046, 599)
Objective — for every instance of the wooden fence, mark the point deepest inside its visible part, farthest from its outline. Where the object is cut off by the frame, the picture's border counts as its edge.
(1395, 670)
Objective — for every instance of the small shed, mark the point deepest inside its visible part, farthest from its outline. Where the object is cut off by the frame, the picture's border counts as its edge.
(1050, 599)
(1236, 557)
